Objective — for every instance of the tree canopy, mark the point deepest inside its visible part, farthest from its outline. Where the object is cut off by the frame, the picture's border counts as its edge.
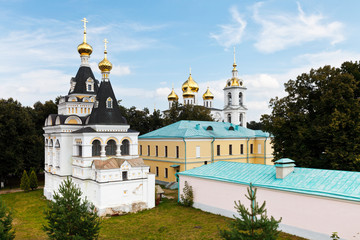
(318, 123)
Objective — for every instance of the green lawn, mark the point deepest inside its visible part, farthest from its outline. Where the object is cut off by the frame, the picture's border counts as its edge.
(167, 221)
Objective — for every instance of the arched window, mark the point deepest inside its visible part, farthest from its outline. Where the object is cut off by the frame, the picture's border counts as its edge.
(57, 144)
(109, 103)
(96, 147)
(209, 128)
(229, 99)
(46, 142)
(125, 145)
(241, 119)
(231, 128)
(229, 118)
(240, 98)
(51, 143)
(110, 148)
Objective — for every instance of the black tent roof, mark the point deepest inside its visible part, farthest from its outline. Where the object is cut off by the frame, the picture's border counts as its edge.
(81, 76)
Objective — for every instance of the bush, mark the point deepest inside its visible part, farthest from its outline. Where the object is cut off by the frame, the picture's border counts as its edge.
(253, 224)
(187, 199)
(69, 217)
(25, 182)
(33, 180)
(6, 232)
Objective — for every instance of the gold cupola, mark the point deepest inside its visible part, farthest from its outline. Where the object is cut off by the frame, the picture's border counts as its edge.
(173, 96)
(188, 93)
(208, 95)
(105, 65)
(84, 49)
(194, 87)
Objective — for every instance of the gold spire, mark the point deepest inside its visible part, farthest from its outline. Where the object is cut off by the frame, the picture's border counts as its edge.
(191, 83)
(234, 65)
(84, 48)
(208, 95)
(173, 96)
(105, 65)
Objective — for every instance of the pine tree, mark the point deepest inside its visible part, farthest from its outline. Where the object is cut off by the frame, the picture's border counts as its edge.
(253, 224)
(187, 199)
(25, 183)
(33, 180)
(6, 232)
(70, 217)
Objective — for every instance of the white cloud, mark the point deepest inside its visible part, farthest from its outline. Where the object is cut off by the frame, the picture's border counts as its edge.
(282, 31)
(120, 70)
(231, 34)
(163, 92)
(261, 81)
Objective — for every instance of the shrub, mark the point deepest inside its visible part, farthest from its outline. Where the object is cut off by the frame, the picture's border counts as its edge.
(6, 232)
(187, 198)
(33, 180)
(69, 217)
(25, 182)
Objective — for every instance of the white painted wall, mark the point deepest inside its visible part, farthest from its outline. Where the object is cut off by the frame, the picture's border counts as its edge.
(304, 215)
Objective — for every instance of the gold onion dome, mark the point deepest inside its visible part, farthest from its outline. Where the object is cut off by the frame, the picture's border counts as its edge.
(188, 92)
(105, 65)
(191, 83)
(208, 95)
(84, 48)
(173, 96)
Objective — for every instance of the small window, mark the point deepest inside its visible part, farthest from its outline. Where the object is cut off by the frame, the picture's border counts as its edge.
(166, 151)
(124, 175)
(205, 163)
(157, 172)
(241, 148)
(125, 147)
(156, 151)
(251, 148)
(109, 103)
(230, 149)
(229, 99)
(96, 148)
(209, 128)
(197, 151)
(177, 151)
(110, 148)
(96, 104)
(229, 118)
(80, 151)
(148, 150)
(231, 128)
(166, 173)
(259, 148)
(89, 87)
(140, 150)
(218, 150)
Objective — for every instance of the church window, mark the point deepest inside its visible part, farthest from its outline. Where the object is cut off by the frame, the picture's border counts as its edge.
(209, 128)
(96, 147)
(79, 150)
(125, 145)
(96, 105)
(148, 150)
(124, 175)
(140, 150)
(166, 151)
(166, 173)
(157, 171)
(259, 148)
(57, 144)
(230, 149)
(51, 143)
(251, 148)
(90, 85)
(197, 151)
(241, 148)
(229, 99)
(177, 151)
(110, 148)
(231, 128)
(241, 119)
(109, 103)
(218, 150)
(46, 142)
(156, 151)
(229, 118)
(210, 104)
(240, 99)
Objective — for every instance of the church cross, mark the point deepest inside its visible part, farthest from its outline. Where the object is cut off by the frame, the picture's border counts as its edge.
(85, 21)
(105, 42)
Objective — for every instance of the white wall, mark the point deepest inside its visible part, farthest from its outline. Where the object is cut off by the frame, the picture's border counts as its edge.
(304, 215)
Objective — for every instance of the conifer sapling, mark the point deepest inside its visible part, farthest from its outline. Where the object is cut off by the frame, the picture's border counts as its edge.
(25, 182)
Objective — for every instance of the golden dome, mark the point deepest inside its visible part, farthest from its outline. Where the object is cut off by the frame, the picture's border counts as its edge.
(188, 93)
(233, 82)
(84, 49)
(191, 83)
(208, 95)
(105, 65)
(173, 96)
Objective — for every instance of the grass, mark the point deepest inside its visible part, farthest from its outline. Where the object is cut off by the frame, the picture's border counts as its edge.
(167, 221)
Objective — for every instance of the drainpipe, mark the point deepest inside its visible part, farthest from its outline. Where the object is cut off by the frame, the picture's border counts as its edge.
(185, 151)
(265, 151)
(247, 150)
(177, 179)
(212, 149)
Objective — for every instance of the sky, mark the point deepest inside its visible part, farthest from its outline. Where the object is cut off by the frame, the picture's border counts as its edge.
(153, 44)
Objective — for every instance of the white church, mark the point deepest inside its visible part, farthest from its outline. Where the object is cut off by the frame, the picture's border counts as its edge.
(234, 110)
(92, 143)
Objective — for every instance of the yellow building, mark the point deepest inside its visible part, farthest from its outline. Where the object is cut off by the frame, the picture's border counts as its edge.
(188, 144)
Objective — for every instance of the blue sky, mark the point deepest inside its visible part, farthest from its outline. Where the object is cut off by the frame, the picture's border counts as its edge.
(152, 44)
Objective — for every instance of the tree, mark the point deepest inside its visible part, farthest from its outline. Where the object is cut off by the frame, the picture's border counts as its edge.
(179, 112)
(33, 180)
(6, 231)
(318, 123)
(254, 125)
(70, 217)
(25, 182)
(253, 223)
(187, 198)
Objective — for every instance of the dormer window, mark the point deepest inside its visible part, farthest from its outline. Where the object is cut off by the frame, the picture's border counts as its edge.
(90, 85)
(109, 103)
(72, 84)
(96, 104)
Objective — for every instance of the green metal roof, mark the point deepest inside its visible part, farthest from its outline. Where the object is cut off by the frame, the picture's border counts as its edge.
(198, 129)
(321, 182)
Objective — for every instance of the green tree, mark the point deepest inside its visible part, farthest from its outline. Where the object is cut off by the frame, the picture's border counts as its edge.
(70, 217)
(179, 112)
(25, 182)
(187, 198)
(255, 125)
(33, 180)
(253, 223)
(318, 123)
(6, 231)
